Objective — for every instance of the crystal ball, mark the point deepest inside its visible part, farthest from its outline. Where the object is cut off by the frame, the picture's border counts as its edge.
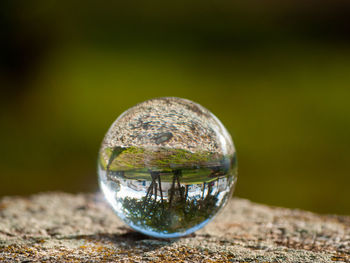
(167, 166)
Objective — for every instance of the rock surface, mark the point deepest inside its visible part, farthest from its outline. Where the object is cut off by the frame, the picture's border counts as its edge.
(172, 123)
(63, 227)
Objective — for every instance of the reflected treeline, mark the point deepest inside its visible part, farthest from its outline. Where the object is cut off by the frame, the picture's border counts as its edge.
(176, 213)
(169, 200)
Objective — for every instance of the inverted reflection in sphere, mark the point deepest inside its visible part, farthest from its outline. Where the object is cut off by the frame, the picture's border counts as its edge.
(167, 166)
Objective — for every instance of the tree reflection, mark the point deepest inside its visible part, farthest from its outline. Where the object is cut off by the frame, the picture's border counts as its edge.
(178, 203)
(177, 213)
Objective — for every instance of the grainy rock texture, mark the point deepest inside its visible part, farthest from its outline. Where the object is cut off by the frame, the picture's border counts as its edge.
(172, 123)
(62, 227)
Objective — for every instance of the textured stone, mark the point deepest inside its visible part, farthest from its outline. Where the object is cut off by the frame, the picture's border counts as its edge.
(64, 227)
(172, 123)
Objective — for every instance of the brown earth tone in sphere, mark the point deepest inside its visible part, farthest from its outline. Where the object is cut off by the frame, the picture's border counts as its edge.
(171, 123)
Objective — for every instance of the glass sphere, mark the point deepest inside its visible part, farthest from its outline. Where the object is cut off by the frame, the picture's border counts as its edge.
(167, 166)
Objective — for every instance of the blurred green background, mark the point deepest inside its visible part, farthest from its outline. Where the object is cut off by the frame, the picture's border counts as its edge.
(276, 74)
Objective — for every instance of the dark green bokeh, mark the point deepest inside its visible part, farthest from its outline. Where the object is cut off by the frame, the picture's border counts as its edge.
(277, 75)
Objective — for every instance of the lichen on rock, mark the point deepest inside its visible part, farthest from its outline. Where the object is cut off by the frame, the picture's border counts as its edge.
(58, 227)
